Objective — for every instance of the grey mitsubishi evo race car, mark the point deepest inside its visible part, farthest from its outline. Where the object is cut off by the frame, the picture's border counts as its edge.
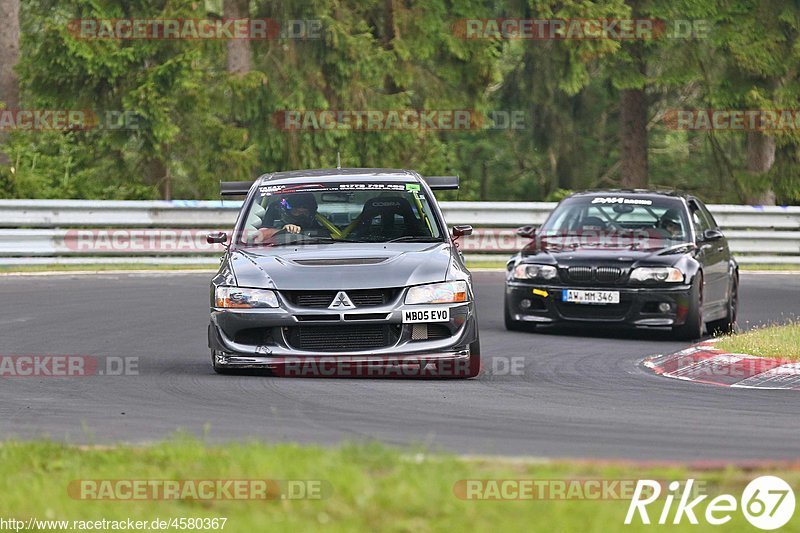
(343, 272)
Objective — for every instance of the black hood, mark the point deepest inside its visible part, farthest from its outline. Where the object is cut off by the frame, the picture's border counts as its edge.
(588, 255)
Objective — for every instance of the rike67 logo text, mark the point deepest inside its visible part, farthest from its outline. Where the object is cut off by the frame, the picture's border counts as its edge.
(767, 503)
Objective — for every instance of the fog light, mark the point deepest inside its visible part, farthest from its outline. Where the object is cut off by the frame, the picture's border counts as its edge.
(525, 304)
(665, 307)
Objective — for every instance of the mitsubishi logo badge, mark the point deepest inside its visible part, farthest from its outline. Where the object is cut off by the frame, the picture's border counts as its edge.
(341, 301)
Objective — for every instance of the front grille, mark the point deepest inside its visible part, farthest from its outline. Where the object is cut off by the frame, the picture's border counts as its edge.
(368, 298)
(307, 318)
(429, 332)
(365, 316)
(608, 274)
(350, 338)
(580, 273)
(322, 299)
(593, 311)
(359, 297)
(585, 274)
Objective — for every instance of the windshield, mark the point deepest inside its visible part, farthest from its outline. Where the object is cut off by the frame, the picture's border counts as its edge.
(340, 212)
(617, 221)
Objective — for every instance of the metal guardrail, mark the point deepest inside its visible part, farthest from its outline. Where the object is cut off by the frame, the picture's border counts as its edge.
(86, 231)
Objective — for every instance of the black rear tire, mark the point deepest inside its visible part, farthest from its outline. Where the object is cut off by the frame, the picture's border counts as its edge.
(692, 329)
(727, 324)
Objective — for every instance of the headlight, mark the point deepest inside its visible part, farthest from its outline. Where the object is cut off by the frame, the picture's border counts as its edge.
(438, 293)
(527, 271)
(237, 297)
(665, 274)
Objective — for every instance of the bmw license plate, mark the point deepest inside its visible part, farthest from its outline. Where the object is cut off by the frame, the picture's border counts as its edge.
(435, 314)
(590, 297)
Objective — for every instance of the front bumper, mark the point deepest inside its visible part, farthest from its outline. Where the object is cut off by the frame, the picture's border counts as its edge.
(269, 338)
(638, 306)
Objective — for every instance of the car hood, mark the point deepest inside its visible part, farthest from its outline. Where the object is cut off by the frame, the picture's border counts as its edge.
(605, 256)
(341, 266)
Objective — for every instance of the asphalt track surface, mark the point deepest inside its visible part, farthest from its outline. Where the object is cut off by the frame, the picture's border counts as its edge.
(580, 394)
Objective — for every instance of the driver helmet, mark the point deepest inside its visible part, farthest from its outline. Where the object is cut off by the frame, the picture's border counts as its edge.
(671, 221)
(298, 209)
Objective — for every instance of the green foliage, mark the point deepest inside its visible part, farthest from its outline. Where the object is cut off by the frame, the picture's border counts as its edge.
(195, 124)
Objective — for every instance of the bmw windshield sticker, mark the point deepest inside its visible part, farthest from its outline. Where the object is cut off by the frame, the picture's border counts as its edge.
(621, 200)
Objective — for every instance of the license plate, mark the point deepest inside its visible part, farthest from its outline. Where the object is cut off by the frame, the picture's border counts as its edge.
(590, 297)
(416, 316)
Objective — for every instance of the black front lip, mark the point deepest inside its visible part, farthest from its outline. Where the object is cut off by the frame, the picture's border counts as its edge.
(633, 310)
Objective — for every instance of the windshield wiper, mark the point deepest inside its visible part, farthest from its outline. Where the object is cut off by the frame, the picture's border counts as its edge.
(414, 238)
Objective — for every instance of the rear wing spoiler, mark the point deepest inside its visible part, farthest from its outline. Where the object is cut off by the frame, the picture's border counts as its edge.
(442, 183)
(235, 188)
(241, 188)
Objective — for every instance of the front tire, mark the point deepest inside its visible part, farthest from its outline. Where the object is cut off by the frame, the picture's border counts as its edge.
(474, 368)
(692, 329)
(727, 324)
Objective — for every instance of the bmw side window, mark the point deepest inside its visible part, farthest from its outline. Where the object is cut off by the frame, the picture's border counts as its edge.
(699, 222)
(705, 213)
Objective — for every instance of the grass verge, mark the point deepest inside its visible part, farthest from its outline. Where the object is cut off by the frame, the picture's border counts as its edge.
(782, 342)
(769, 266)
(370, 487)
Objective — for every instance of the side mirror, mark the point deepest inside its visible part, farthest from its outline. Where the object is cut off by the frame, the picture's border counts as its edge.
(712, 235)
(527, 231)
(218, 237)
(462, 230)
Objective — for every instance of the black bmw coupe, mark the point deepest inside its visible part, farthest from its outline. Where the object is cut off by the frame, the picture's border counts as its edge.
(632, 257)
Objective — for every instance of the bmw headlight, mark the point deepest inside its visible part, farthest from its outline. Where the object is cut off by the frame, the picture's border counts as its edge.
(241, 298)
(665, 274)
(438, 293)
(528, 271)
